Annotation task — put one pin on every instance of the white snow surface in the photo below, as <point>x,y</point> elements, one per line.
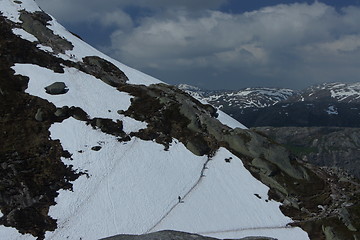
<point>44,48</point>
<point>85,91</point>
<point>10,9</point>
<point>224,200</point>
<point>24,34</point>
<point>229,121</point>
<point>331,110</point>
<point>130,185</point>
<point>133,187</point>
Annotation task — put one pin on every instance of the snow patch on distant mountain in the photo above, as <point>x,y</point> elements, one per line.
<point>245,98</point>
<point>250,97</point>
<point>336,92</point>
<point>332,110</point>
<point>343,92</point>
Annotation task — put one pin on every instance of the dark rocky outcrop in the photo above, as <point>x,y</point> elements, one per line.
<point>31,170</point>
<point>35,24</point>
<point>173,235</point>
<point>104,70</point>
<point>322,146</point>
<point>108,126</point>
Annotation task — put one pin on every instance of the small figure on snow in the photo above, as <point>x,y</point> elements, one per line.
<point>179,198</point>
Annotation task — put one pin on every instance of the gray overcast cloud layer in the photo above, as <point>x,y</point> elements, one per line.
<point>285,45</point>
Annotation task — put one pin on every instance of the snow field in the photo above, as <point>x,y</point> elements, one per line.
<point>224,200</point>
<point>130,185</point>
<point>24,34</point>
<point>10,9</point>
<point>85,91</point>
<point>229,121</point>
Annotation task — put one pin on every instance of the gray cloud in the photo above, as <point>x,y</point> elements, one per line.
<point>70,11</point>
<point>292,45</point>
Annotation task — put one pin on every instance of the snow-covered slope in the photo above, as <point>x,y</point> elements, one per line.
<point>133,186</point>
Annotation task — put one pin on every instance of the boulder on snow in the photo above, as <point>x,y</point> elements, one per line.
<point>56,88</point>
<point>96,148</point>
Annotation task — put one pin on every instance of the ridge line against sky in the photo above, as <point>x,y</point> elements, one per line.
<point>223,44</point>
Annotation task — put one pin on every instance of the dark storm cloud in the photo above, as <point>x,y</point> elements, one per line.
<point>285,45</point>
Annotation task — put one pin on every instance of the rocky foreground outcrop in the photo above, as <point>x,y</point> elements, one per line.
<point>173,235</point>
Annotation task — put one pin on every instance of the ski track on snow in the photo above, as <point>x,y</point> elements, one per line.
<point>103,178</point>
<point>184,197</point>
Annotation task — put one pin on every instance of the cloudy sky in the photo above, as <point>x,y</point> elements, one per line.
<point>223,44</point>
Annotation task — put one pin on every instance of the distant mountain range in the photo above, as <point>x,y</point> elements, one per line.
<point>245,98</point>
<point>328,104</point>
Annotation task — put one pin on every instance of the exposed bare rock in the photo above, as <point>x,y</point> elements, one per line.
<point>104,70</point>
<point>35,24</point>
<point>323,146</point>
<point>173,235</point>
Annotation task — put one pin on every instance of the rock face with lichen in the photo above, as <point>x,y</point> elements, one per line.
<point>32,171</point>
<point>323,146</point>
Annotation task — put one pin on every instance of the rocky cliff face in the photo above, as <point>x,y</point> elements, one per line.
<point>322,146</point>
<point>34,175</point>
